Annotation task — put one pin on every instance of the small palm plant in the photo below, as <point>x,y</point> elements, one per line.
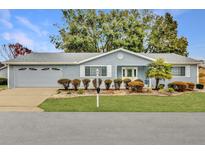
<point>159,70</point>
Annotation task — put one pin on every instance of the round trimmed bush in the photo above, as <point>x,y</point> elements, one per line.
<point>76,83</point>
<point>108,83</point>
<point>117,83</point>
<point>136,86</point>
<point>65,83</point>
<point>178,86</point>
<point>161,86</point>
<point>126,81</point>
<point>95,82</point>
<point>86,83</point>
<point>190,85</point>
<point>199,86</point>
<point>139,80</point>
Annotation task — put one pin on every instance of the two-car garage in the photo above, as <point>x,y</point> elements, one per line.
<point>37,76</point>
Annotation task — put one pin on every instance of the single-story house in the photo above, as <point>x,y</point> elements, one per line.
<point>3,71</point>
<point>44,69</point>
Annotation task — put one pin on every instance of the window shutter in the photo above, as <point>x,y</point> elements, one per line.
<point>109,70</point>
<point>82,71</point>
<point>187,71</point>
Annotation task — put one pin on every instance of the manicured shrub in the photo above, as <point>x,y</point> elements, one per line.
<point>190,85</point>
<point>161,86</point>
<point>76,83</point>
<point>107,84</point>
<point>80,91</point>
<point>65,83</point>
<point>126,81</point>
<point>199,86</point>
<point>86,83</point>
<point>3,81</point>
<point>178,86</point>
<point>136,86</point>
<point>95,82</point>
<point>139,80</point>
<point>117,83</point>
<point>170,90</point>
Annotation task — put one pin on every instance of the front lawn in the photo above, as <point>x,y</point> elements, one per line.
<point>190,102</point>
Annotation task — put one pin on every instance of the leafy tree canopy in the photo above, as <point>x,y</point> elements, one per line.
<point>136,30</point>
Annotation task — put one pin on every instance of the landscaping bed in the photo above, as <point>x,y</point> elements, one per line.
<point>61,93</point>
<point>187,102</point>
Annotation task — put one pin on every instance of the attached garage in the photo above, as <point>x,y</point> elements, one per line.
<point>37,76</point>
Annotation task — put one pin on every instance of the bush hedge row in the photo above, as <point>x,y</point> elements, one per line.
<point>117,83</point>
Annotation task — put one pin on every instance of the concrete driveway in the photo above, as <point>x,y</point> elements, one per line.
<point>24,99</point>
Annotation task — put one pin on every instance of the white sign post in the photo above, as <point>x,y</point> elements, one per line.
<point>97,87</point>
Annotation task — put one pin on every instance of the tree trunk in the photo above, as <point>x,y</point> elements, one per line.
<point>157,83</point>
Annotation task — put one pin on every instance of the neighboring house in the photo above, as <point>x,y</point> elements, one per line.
<point>3,71</point>
<point>202,71</point>
<point>44,69</point>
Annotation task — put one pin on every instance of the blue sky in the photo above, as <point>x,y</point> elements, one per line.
<point>33,27</point>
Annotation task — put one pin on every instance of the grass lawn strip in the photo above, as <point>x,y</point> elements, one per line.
<point>189,102</point>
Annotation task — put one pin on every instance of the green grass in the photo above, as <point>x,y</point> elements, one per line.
<point>191,102</point>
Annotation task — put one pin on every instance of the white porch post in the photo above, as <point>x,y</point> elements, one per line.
<point>150,83</point>
<point>8,77</point>
<point>97,85</point>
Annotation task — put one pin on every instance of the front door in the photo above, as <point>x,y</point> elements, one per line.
<point>129,72</point>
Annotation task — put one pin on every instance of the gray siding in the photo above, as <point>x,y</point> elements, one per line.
<point>112,59</point>
<point>192,78</point>
<point>3,73</point>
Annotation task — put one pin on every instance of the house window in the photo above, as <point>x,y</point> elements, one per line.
<point>178,71</point>
<point>91,70</point>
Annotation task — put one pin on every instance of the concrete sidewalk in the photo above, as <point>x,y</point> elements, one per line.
<point>24,99</point>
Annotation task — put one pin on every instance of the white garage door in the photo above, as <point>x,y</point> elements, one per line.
<point>37,76</point>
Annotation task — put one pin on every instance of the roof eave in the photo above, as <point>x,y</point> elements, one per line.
<point>40,63</point>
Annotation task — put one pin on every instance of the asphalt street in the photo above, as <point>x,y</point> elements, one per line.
<point>102,128</point>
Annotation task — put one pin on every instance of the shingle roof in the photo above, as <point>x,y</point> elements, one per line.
<point>171,58</point>
<point>74,58</point>
<point>54,57</point>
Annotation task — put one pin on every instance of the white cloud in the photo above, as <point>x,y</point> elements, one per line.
<point>5,17</point>
<point>31,26</point>
<point>18,37</point>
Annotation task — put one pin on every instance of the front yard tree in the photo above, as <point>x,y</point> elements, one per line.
<point>163,37</point>
<point>159,70</point>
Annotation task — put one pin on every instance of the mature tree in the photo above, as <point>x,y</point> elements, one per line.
<point>159,70</point>
<point>99,31</point>
<point>12,51</point>
<point>164,39</point>
<point>102,31</point>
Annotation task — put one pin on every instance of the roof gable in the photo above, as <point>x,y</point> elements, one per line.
<point>117,50</point>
